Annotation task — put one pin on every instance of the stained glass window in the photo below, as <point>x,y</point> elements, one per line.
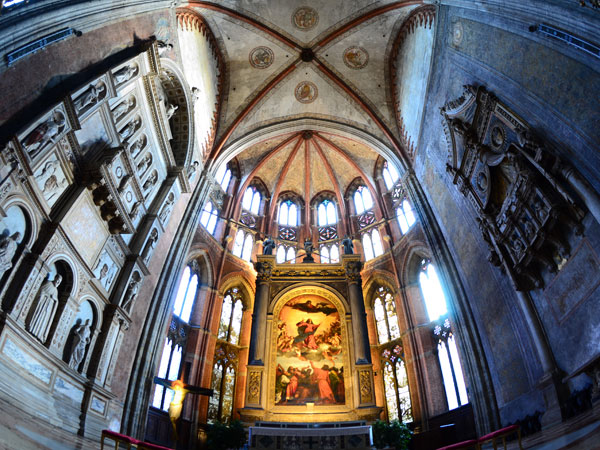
<point>372,244</point>
<point>390,175</point>
<point>251,200</point>
<point>223,176</point>
<point>220,405</point>
<point>209,217</point>
<point>395,382</point>
<point>435,303</point>
<point>326,214</point>
<point>405,215</point>
<point>170,363</point>
<point>330,254</point>
<point>288,213</point>
<point>385,316</point>
<point>242,246</point>
<point>285,254</point>
<point>362,200</point>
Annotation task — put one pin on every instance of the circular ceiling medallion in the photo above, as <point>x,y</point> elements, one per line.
<point>305,18</point>
<point>498,137</point>
<point>306,92</point>
<point>261,57</point>
<point>457,34</point>
<point>356,57</point>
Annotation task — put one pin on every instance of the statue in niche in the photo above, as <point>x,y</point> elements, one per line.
<point>308,248</point>
<point>90,97</point>
<point>137,146</point>
<point>170,110</point>
<point>125,74</point>
<point>195,94</point>
<point>150,244</point>
<point>130,128</point>
<point>168,206</point>
<point>45,308</point>
<point>163,48</point>
<point>268,246</point>
<point>151,181</point>
<point>135,210</point>
<point>44,134</point>
<point>123,108</point>
<point>144,164</point>
<point>81,339</point>
<point>191,173</point>
<point>131,293</point>
<point>348,245</point>
<point>8,248</point>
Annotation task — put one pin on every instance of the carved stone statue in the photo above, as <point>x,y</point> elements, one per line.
<point>151,181</point>
<point>348,245</point>
<point>137,146</point>
<point>8,248</point>
<point>81,339</point>
<point>90,97</point>
<point>268,246</point>
<point>195,94</point>
<point>170,110</point>
<point>144,164</point>
<point>168,206</point>
<point>123,108</point>
<point>150,244</point>
<point>130,128</point>
<point>131,293</point>
<point>308,248</point>
<point>163,48</point>
<point>45,308</point>
<point>192,170</point>
<point>125,74</point>
<point>45,133</point>
<point>135,209</point>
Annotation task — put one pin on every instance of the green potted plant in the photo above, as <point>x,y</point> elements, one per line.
<point>392,435</point>
<point>222,436</point>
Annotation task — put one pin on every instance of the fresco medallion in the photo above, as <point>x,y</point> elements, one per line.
<point>356,57</point>
<point>305,18</point>
<point>309,364</point>
<point>306,92</point>
<point>261,57</point>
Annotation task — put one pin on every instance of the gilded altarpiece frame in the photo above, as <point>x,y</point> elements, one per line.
<point>318,410</point>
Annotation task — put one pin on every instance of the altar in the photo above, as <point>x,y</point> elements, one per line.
<point>301,436</point>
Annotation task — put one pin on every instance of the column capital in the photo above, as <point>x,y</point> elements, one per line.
<point>352,266</point>
<point>264,267</point>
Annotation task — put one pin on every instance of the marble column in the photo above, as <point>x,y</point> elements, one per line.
<point>362,352</point>
<point>258,333</point>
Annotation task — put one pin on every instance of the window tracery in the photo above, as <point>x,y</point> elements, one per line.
<point>173,350</point>
<point>285,253</point>
<point>435,303</point>
<point>209,217</point>
<point>220,406</point>
<point>242,246</point>
<point>395,379</point>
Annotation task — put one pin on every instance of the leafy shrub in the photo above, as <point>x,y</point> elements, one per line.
<point>221,436</point>
<point>392,434</point>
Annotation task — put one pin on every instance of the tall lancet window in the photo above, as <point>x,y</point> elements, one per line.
<point>390,175</point>
<point>209,217</point>
<point>327,225</point>
<point>435,303</point>
<point>220,405</point>
<point>395,379</point>
<point>172,355</point>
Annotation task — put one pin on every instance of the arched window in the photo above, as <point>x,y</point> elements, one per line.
<point>285,254</point>
<point>406,217</point>
<point>362,200</point>
<point>372,244</point>
<point>209,217</point>
<point>172,355</point>
<point>435,303</point>
<point>390,175</point>
<point>330,253</point>
<point>242,246</point>
<point>288,214</point>
<point>385,316</point>
<point>395,379</point>
<point>220,405</point>
<point>326,214</point>
<point>251,200</point>
<point>223,176</point>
